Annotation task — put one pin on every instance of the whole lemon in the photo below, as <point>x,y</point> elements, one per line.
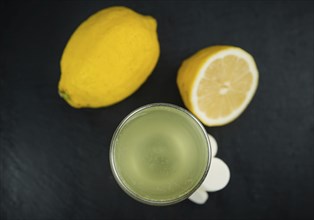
<point>108,57</point>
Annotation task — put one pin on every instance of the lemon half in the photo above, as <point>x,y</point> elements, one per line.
<point>217,83</point>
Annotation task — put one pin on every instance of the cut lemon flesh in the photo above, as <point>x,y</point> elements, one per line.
<point>217,83</point>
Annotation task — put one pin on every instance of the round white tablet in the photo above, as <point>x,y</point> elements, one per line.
<point>200,196</point>
<point>213,145</point>
<point>218,176</point>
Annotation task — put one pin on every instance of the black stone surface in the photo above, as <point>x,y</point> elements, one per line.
<point>54,159</point>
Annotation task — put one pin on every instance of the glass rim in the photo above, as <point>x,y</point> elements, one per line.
<point>132,193</point>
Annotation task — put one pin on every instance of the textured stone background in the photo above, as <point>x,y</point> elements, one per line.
<point>54,159</point>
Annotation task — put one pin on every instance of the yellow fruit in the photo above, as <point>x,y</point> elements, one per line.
<point>217,83</point>
<point>108,57</point>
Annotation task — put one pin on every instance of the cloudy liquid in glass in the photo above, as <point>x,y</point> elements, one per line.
<point>160,153</point>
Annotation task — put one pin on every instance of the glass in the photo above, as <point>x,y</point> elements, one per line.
<point>160,154</point>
